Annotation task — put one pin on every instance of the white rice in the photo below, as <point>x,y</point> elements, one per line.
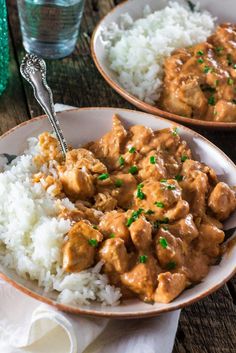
<point>31,236</point>
<point>136,49</point>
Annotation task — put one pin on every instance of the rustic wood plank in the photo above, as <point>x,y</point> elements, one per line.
<point>208,326</point>
<point>13,107</point>
<point>205,327</point>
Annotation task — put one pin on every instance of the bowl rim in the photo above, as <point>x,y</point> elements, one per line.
<point>136,101</point>
<point>114,315</point>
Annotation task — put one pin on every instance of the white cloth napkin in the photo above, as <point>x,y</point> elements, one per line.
<point>27,326</point>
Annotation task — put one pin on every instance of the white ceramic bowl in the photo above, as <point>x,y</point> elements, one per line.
<point>83,125</point>
<point>225,11</point>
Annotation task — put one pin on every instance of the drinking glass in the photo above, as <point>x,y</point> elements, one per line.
<point>50,27</point>
<point>4,51</point>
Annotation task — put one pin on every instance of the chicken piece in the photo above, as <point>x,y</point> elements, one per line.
<point>169,249</point>
<point>49,147</point>
<point>171,102</point>
<point>114,253</point>
<point>87,230</point>
<point>196,266</point>
<point>84,159</point>
<point>213,221</point>
<point>180,210</point>
<point>152,166</point>
<point>183,150</point>
<point>225,37</point>
<point>209,240</point>
<point>142,279</point>
<point>158,197</point>
<point>105,202</point>
<point>125,185</point>
<point>190,166</point>
<point>195,188</point>
<point>174,63</point>
<point>109,147</point>
<point>141,234</point>
<point>225,111</point>
<point>78,254</point>
<point>77,183</point>
<point>169,99</point>
<point>76,175</point>
<point>79,250</point>
<point>165,140</point>
<point>191,94</point>
<point>185,229</point>
<point>114,223</point>
<point>73,215</point>
<point>139,137</point>
<point>170,285</point>
<point>222,201</point>
<point>91,214</point>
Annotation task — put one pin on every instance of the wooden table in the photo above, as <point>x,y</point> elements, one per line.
<point>205,327</point>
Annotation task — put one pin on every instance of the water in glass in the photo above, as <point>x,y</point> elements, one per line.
<point>4,53</point>
<point>50,28</point>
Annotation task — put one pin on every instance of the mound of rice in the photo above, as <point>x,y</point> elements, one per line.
<point>136,49</point>
<point>31,236</point>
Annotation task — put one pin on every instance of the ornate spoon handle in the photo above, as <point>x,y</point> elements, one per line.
<point>33,69</point>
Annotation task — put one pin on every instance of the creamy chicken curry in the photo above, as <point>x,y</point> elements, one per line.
<point>143,206</point>
<point>200,81</point>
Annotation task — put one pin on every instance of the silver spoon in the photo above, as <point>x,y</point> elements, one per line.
<point>33,69</point>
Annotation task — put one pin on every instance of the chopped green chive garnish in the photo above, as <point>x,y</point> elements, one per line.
<point>234,66</point>
<point>159,204</point>
<point>134,216</point>
<point>211,100</point>
<point>183,158</point>
<point>163,242</point>
<point>140,195</point>
<point>230,81</point>
<point>163,180</point>
<point>200,52</point>
<point>118,183</point>
<point>95,227</point>
<point>152,159</point>
<point>143,259</point>
<point>207,69</point>
<point>175,131</point>
<point>112,235</point>
<point>165,228</point>
<point>229,59</point>
<point>149,212</point>
<point>170,187</point>
<point>216,82</point>
<point>103,176</point>
<point>121,161</point>
<point>171,265</point>
<point>93,242</point>
<point>219,49</point>
<point>133,170</point>
<point>200,61</point>
<point>234,101</point>
<point>132,150</point>
<point>130,221</point>
<point>163,221</point>
<point>179,177</point>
